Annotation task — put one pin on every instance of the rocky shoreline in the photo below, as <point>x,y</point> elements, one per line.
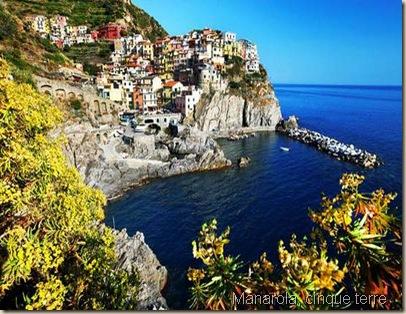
<point>134,254</point>
<point>106,162</point>
<point>328,145</point>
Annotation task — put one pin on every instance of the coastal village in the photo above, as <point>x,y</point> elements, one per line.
<point>156,85</point>
<point>159,81</point>
<point>99,100</point>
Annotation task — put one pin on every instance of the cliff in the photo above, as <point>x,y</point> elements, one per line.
<point>224,112</point>
<point>133,252</point>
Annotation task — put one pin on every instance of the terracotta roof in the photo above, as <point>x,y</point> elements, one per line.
<point>170,83</point>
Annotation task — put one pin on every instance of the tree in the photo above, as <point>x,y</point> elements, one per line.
<point>54,253</point>
<point>362,230</point>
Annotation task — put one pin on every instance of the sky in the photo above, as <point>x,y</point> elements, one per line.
<point>355,42</point>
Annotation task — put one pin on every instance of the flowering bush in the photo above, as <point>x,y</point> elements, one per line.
<point>358,224</point>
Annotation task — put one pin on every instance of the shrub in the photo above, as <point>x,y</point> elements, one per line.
<point>75,104</point>
<point>56,57</point>
<point>20,69</point>
<point>8,26</point>
<point>362,231</point>
<point>54,255</point>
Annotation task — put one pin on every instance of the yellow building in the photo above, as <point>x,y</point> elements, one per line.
<point>148,50</point>
<point>233,49</point>
<point>38,23</point>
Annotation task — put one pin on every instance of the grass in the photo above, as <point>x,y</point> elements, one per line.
<point>21,70</point>
<point>56,57</point>
<point>8,27</point>
<point>90,53</point>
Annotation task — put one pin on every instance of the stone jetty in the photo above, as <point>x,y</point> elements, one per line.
<point>331,146</point>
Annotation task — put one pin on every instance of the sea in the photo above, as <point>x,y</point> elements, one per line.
<point>269,200</point>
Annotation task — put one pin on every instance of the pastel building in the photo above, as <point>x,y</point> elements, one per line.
<point>39,24</point>
<point>250,55</point>
<point>186,102</point>
<point>210,78</point>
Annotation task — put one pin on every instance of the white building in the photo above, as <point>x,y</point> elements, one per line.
<point>149,100</point>
<point>250,55</point>
<point>127,45</point>
<point>229,37</point>
<point>187,101</point>
<point>153,82</point>
<point>210,78</point>
<point>112,91</point>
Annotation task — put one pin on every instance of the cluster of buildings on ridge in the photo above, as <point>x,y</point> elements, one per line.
<point>145,77</point>
<point>174,71</point>
<point>62,34</point>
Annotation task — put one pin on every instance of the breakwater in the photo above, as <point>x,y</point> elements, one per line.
<point>331,146</point>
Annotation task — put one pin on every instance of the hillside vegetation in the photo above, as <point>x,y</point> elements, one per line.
<point>27,53</point>
<point>92,13</point>
<point>356,227</point>
<point>52,253</point>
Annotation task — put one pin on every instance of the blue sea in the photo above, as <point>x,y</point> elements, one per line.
<point>269,200</point>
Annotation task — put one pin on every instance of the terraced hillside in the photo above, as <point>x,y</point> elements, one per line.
<point>27,53</point>
<point>92,13</point>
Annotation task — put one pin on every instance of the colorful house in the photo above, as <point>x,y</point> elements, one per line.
<point>171,89</point>
<point>110,31</point>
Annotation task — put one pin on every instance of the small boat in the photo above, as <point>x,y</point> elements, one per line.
<point>285,149</point>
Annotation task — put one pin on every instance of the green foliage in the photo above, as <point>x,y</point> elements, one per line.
<point>361,228</point>
<point>91,69</point>
<point>307,272</point>
<point>90,53</point>
<point>93,13</point>
<point>21,70</point>
<point>54,254</point>
<point>48,45</point>
<point>242,83</point>
<point>359,225</point>
<point>56,57</point>
<point>221,274</point>
<point>145,24</point>
<point>75,104</point>
<point>8,26</point>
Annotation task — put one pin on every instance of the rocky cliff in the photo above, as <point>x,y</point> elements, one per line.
<point>254,106</point>
<point>106,162</point>
<point>224,112</point>
<point>134,253</point>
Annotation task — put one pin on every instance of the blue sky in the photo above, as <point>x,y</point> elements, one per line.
<point>303,41</point>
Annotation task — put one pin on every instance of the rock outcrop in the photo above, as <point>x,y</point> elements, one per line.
<point>134,253</point>
<point>107,162</point>
<point>224,113</point>
<point>243,162</point>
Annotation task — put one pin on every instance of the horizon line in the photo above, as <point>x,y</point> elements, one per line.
<point>340,84</point>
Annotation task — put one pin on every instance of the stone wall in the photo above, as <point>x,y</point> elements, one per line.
<point>95,106</point>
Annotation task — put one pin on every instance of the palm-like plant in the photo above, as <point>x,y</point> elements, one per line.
<point>361,227</point>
